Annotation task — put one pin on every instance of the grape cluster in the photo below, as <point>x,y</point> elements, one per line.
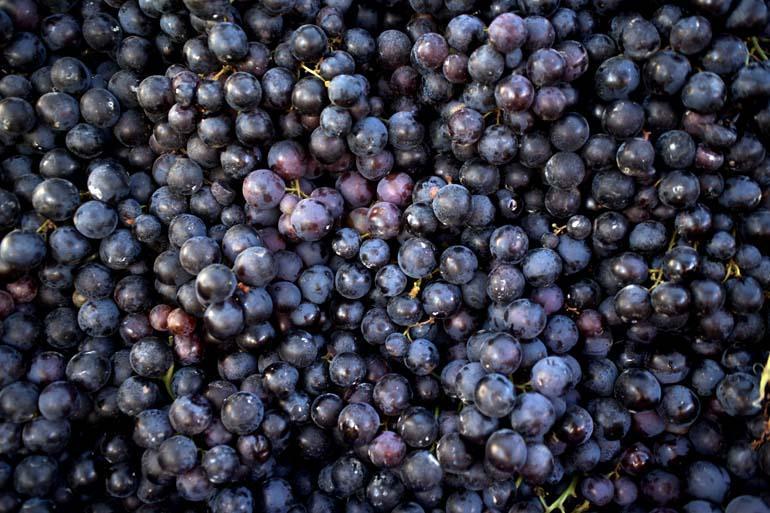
<point>384,256</point>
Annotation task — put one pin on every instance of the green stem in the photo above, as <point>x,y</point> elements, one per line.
<point>167,380</point>
<point>315,74</point>
<point>558,504</point>
<point>764,379</point>
<point>755,46</point>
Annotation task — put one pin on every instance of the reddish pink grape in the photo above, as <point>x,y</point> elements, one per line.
<point>395,188</point>
<point>384,220</point>
<point>263,189</point>
<point>311,220</point>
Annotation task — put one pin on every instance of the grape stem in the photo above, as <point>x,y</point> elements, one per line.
<point>755,47</point>
<point>656,275</point>
<point>167,380</point>
<point>46,226</point>
<point>419,282</point>
<point>615,472</point>
<point>407,334</point>
<point>558,230</point>
<point>498,115</point>
<point>334,42</point>
<point>522,387</point>
<point>582,507</point>
<point>415,288</point>
<point>731,270</point>
<point>559,503</point>
<point>315,74</point>
<point>672,242</point>
<point>222,72</point>
<point>296,188</point>
<point>764,379</point>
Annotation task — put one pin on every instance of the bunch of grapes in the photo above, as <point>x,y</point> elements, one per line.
<point>384,256</point>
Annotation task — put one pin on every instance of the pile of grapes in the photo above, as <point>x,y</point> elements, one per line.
<point>384,256</point>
